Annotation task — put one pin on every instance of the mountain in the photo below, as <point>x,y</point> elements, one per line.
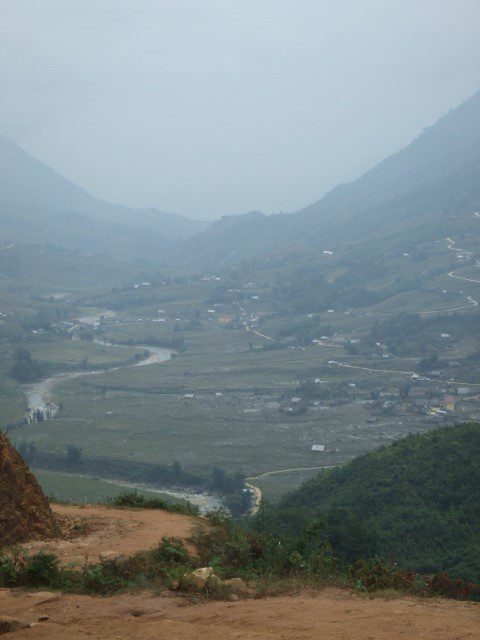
<point>439,172</point>
<point>419,500</point>
<point>27,183</point>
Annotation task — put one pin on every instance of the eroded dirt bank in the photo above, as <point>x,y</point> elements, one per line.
<point>122,531</point>
<point>330,615</point>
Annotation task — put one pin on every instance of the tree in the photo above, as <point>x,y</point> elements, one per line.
<point>25,368</point>
<point>74,454</point>
<point>404,391</point>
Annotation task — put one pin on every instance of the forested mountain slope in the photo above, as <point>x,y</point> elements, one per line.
<point>418,500</point>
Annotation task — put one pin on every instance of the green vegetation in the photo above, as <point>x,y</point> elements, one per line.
<point>416,502</point>
<point>136,500</point>
<point>79,489</point>
<point>267,562</point>
<point>25,369</point>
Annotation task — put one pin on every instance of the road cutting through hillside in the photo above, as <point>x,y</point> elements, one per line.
<point>452,245</point>
<point>257,492</point>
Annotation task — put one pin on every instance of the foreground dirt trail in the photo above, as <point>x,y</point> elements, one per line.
<point>108,530</point>
<point>332,615</point>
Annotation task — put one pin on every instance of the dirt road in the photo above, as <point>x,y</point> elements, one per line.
<point>107,530</point>
<point>332,614</point>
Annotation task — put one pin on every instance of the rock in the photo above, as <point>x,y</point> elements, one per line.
<point>239,587</point>
<point>233,597</point>
<point>43,618</point>
<point>197,579</point>
<point>214,582</point>
<point>8,624</point>
<point>236,585</point>
<point>175,585</point>
<point>136,613</point>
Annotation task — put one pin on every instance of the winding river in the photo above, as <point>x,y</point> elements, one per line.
<point>40,397</point>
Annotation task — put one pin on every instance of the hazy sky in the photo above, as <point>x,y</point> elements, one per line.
<point>207,107</point>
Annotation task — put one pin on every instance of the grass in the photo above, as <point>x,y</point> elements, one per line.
<point>79,490</point>
<point>136,500</point>
<point>69,354</point>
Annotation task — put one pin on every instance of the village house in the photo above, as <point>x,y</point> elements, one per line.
<point>449,402</point>
<point>295,406</point>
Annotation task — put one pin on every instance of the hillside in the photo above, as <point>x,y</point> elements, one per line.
<point>30,185</point>
<point>25,513</point>
<point>418,499</point>
<point>438,173</point>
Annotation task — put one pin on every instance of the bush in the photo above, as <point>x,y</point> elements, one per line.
<point>8,572</point>
<point>442,585</point>
<point>102,579</point>
<point>376,575</point>
<point>38,570</point>
<point>135,500</point>
<point>171,551</point>
<point>42,569</point>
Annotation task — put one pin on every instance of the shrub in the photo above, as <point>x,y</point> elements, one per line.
<point>375,575</point>
<point>8,571</point>
<point>171,551</point>
<point>41,569</point>
<point>443,585</point>
<point>102,579</point>
<point>135,500</point>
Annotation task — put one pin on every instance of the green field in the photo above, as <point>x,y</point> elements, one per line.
<point>64,487</point>
<point>141,413</point>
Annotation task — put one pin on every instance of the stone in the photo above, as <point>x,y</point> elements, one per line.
<point>233,597</point>
<point>8,624</point>
<point>214,582</point>
<point>43,618</point>
<point>197,579</point>
<point>236,585</point>
<point>239,587</point>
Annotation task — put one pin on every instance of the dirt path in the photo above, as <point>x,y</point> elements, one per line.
<point>257,492</point>
<point>257,496</point>
<point>397,371</point>
<point>262,335</point>
<point>331,614</point>
<point>110,531</point>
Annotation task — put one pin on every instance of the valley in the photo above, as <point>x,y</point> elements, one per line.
<point>251,389</point>
<point>240,320</point>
